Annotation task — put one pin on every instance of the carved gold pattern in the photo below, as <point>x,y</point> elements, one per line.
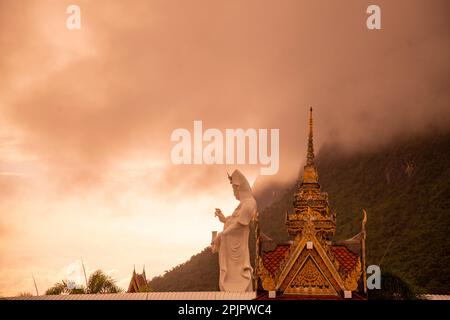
<point>351,281</point>
<point>268,283</point>
<point>309,280</point>
<point>301,260</point>
<point>310,174</point>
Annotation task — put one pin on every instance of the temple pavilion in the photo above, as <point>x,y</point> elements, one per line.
<point>311,265</point>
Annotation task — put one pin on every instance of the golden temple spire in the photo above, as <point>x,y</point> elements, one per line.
<point>310,155</point>
<point>310,174</point>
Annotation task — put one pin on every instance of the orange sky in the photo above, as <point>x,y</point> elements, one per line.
<point>86,115</point>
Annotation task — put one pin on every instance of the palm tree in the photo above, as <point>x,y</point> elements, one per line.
<point>99,282</point>
<point>61,288</point>
<point>24,294</point>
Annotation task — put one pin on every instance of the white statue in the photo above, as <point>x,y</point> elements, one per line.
<point>232,243</point>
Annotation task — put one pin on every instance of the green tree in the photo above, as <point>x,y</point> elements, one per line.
<point>61,288</point>
<point>24,294</point>
<point>99,282</point>
<point>392,288</point>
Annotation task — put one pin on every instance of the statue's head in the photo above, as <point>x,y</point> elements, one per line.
<point>241,187</point>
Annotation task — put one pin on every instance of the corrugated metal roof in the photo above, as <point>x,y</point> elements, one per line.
<point>197,295</point>
<point>435,297</point>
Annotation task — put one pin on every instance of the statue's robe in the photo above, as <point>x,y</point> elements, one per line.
<point>232,243</point>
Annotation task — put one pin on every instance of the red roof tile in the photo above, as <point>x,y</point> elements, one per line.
<point>346,258</point>
<point>272,259</point>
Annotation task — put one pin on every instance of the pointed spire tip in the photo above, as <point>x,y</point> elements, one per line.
<point>310,153</point>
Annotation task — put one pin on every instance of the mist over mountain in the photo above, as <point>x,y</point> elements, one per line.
<point>405,188</point>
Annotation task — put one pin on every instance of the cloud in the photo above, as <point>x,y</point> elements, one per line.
<point>125,81</point>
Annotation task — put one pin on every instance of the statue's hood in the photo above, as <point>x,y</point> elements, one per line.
<point>245,191</point>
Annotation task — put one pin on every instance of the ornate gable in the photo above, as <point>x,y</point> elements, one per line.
<point>310,280</point>
<point>312,261</point>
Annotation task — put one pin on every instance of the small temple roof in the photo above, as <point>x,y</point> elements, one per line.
<point>138,282</point>
<point>141,281</point>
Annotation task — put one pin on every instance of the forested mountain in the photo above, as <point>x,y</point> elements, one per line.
<point>405,188</point>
